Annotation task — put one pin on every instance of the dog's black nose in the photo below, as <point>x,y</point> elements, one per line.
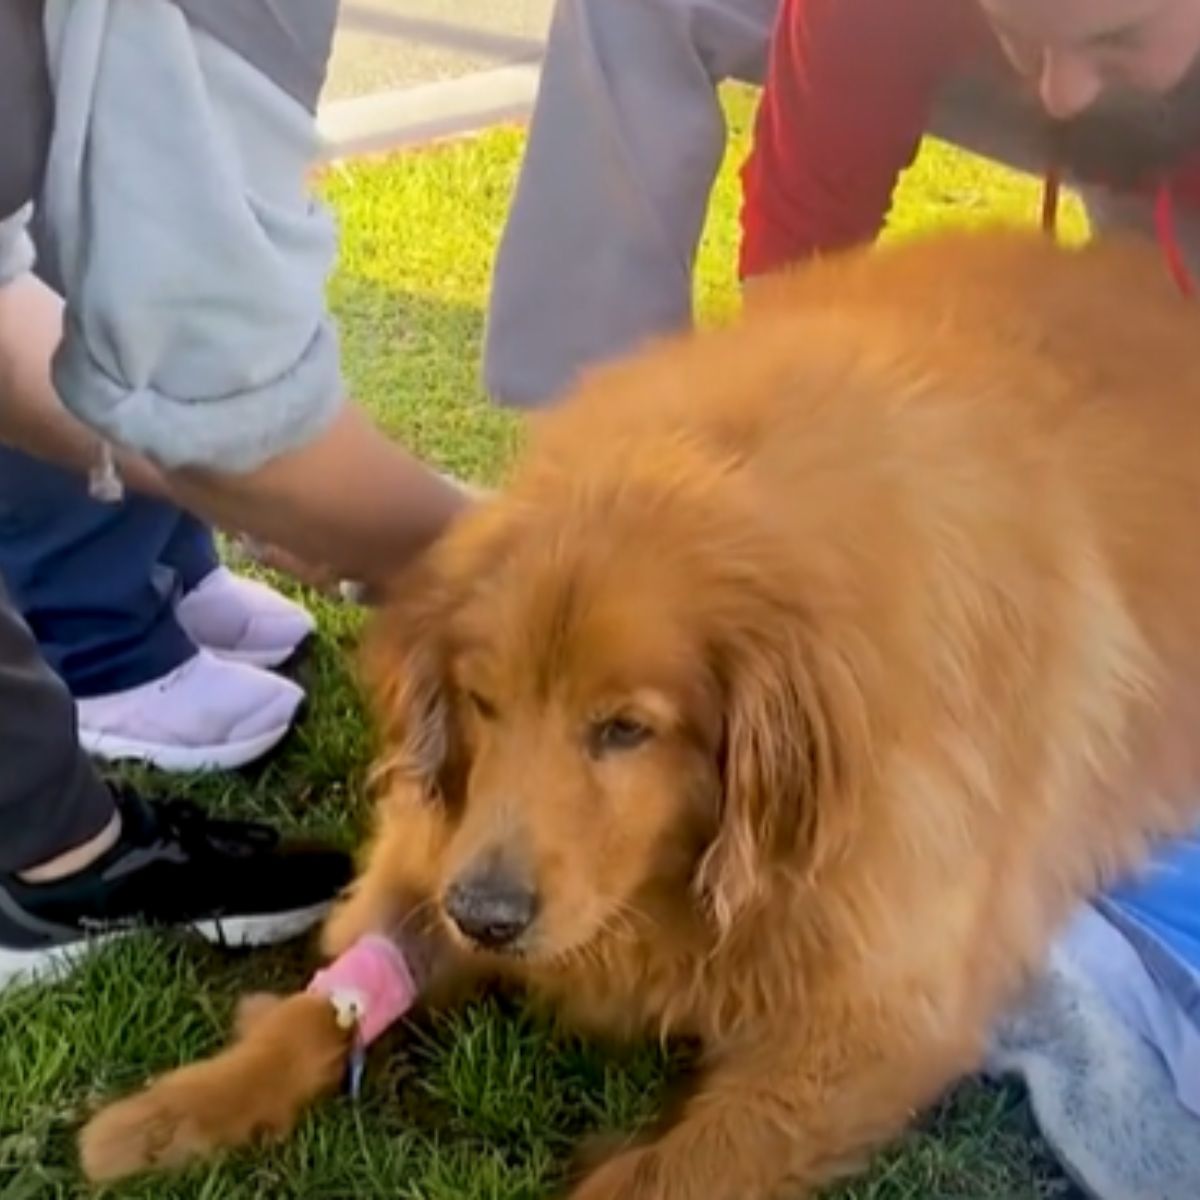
<point>491,909</point>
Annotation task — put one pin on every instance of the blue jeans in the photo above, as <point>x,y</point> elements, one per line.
<point>97,583</point>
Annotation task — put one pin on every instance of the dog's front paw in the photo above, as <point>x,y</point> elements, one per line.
<point>186,1115</point>
<point>290,1052</point>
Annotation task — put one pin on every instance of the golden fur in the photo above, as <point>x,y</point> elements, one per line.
<point>811,672</point>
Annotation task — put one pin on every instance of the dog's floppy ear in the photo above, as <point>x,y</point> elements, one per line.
<point>404,667</point>
<point>405,656</point>
<point>795,746</point>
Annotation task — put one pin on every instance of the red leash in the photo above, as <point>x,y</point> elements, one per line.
<point>1050,193</point>
<point>1164,228</point>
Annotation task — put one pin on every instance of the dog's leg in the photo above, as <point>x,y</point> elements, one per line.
<point>778,1121</point>
<point>395,886</point>
<point>394,896</point>
<point>287,1052</point>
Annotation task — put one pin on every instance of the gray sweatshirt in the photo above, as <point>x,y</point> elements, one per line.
<point>174,212</point>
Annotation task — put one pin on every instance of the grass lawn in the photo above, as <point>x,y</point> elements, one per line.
<point>484,1104</point>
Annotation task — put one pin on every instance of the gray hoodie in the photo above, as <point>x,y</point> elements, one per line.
<point>174,213</point>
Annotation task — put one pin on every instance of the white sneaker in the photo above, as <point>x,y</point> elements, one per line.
<point>243,620</point>
<point>207,715</point>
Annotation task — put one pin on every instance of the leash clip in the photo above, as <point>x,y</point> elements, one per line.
<point>349,1008</point>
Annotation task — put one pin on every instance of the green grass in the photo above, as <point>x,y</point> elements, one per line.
<point>485,1104</point>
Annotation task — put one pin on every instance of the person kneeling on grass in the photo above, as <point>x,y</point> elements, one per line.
<point>163,146</point>
<point>628,134</point>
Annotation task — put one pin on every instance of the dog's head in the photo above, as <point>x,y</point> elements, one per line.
<point>621,705</point>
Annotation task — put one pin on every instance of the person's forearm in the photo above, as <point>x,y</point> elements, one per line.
<point>352,500</point>
<point>32,418</point>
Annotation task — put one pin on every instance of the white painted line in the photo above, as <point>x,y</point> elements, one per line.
<point>427,111</point>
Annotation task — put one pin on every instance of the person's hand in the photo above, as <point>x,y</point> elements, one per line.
<point>351,500</point>
<point>320,577</point>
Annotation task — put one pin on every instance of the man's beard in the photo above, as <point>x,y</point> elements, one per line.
<point>1130,139</point>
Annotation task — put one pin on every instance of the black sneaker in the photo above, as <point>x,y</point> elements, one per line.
<point>235,883</point>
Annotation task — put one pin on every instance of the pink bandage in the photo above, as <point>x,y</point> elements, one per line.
<point>370,986</point>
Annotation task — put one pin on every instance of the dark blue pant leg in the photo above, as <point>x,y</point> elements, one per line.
<point>89,578</point>
<point>191,552</point>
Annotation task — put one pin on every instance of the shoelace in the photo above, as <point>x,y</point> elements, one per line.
<point>1164,227</point>
<point>198,831</point>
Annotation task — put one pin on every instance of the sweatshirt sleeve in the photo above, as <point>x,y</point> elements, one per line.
<point>175,214</point>
<point>849,89</point>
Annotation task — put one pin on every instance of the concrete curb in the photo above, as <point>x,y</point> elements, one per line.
<point>427,112</point>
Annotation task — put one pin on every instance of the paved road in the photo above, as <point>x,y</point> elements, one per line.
<point>383,45</point>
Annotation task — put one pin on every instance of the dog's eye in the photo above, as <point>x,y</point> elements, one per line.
<point>615,734</point>
<point>482,705</point>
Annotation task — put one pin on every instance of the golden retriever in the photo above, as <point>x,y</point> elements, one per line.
<point>806,678</point>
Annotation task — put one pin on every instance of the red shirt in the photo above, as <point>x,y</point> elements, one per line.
<point>849,92</point>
